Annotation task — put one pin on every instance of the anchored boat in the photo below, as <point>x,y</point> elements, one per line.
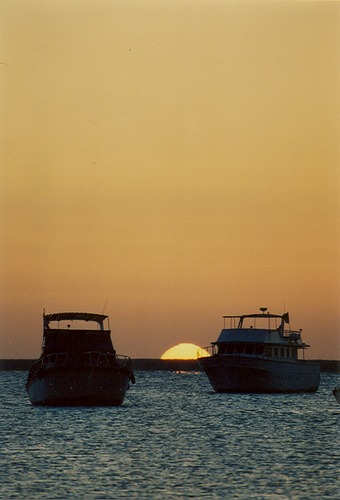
<point>256,353</point>
<point>78,365</point>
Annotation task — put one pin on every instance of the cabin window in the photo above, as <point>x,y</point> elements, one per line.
<point>243,348</point>
<point>276,352</point>
<point>240,348</point>
<point>282,352</point>
<point>259,349</point>
<point>268,351</point>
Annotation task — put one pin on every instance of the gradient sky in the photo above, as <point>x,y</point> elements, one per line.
<point>169,162</point>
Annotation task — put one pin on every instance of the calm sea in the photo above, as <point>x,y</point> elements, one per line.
<point>172,438</point>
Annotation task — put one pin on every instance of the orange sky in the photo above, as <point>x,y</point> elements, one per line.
<point>177,159</point>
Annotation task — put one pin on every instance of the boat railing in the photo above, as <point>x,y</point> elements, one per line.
<point>213,350</point>
<point>85,359</point>
<point>292,334</point>
<point>206,352</point>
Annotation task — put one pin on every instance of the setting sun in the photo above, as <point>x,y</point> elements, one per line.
<point>182,351</point>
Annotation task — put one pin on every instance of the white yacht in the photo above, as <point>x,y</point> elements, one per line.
<point>256,353</point>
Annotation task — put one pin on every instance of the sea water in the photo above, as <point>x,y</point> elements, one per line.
<point>172,438</point>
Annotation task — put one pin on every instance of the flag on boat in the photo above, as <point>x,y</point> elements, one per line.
<point>285,317</point>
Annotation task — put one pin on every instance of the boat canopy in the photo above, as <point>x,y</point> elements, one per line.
<point>70,316</point>
<point>284,316</point>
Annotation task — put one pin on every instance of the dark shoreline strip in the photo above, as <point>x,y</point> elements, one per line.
<point>156,365</point>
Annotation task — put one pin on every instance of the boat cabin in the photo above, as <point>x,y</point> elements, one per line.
<point>69,337</point>
<point>259,335</point>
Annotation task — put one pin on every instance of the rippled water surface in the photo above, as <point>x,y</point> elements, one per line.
<point>172,438</point>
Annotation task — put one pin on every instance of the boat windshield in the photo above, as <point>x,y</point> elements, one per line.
<point>74,325</point>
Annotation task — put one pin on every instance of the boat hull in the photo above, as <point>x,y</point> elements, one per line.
<point>89,386</point>
<point>260,375</point>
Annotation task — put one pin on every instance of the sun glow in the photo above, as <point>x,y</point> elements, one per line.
<point>183,351</point>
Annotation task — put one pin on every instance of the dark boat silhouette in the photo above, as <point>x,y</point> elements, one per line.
<point>78,366</point>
